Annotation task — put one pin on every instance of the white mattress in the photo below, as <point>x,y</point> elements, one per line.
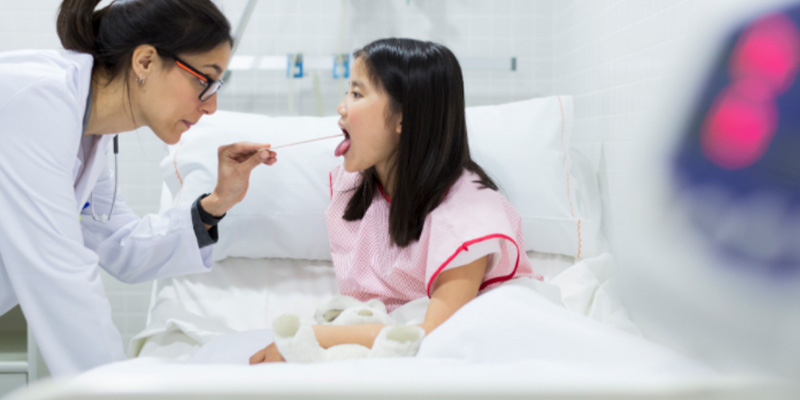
<point>148,378</point>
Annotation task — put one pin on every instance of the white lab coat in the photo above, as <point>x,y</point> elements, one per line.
<point>48,256</point>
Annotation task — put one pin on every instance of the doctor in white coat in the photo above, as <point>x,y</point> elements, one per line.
<point>154,63</point>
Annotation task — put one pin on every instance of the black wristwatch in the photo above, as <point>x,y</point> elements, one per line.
<point>207,218</point>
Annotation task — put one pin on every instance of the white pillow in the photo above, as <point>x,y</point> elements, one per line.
<point>524,146</point>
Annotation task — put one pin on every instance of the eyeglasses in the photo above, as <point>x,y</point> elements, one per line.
<point>211,85</point>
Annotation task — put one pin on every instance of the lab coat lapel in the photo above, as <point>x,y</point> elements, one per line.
<point>94,162</point>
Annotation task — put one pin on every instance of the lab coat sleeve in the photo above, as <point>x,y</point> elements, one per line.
<point>53,275</point>
<point>134,249</point>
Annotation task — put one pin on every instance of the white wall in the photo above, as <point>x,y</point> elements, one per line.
<point>486,29</point>
<point>633,67</point>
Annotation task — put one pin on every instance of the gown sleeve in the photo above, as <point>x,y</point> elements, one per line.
<point>471,223</point>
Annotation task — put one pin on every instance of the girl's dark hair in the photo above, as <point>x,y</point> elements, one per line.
<point>423,81</point>
<point>111,34</point>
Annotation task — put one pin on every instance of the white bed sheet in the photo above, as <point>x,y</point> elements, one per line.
<point>237,295</point>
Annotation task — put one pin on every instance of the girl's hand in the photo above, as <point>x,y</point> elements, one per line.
<point>268,354</point>
<point>454,288</point>
<point>236,161</point>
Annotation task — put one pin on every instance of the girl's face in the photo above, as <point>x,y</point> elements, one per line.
<point>170,101</point>
<point>372,136</point>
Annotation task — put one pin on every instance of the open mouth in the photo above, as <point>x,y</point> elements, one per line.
<point>344,146</point>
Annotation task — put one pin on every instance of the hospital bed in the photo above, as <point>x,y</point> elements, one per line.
<point>567,336</point>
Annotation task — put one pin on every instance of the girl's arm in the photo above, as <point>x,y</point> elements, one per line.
<point>454,288</point>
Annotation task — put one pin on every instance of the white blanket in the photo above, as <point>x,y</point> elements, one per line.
<point>518,322</point>
<point>244,295</point>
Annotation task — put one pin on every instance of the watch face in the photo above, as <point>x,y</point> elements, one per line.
<point>737,169</point>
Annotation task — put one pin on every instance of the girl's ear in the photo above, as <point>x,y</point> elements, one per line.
<point>399,127</point>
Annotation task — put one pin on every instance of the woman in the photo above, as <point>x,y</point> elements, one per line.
<point>154,63</point>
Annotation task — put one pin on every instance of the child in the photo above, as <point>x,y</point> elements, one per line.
<point>411,215</point>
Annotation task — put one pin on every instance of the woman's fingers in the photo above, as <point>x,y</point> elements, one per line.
<point>269,157</point>
<point>250,154</point>
<point>246,148</point>
<point>265,156</point>
<point>236,162</point>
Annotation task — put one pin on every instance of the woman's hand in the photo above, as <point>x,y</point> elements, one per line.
<point>268,354</point>
<point>236,161</point>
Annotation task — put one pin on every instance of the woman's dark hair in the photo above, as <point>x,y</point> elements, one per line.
<point>423,81</point>
<point>111,34</point>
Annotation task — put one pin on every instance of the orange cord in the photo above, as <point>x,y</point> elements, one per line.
<point>178,174</point>
<point>564,161</point>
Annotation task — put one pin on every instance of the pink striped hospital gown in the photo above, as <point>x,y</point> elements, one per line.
<point>470,223</point>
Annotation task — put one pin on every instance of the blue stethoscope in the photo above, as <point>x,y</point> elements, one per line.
<point>105,217</point>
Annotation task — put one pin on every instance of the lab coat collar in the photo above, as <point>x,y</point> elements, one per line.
<point>94,163</point>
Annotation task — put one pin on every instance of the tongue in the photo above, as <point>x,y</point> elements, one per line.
<point>342,147</point>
